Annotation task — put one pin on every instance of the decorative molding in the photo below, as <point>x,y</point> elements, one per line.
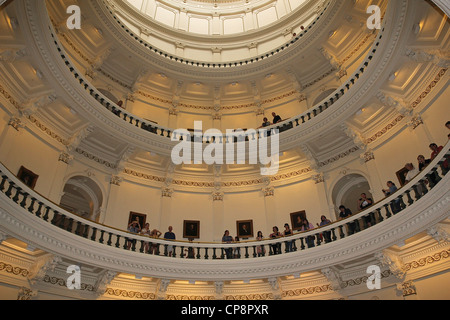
<point>268,191</point>
<point>166,192</point>
<point>130,294</point>
<point>26,294</point>
<point>65,157</point>
<point>61,282</point>
<point>367,156</point>
<point>407,288</point>
<point>14,270</point>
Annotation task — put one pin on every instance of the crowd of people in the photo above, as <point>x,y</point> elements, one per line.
<point>276,248</point>
<point>151,248</point>
<point>363,202</point>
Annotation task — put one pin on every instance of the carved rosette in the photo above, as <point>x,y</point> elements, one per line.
<point>65,157</point>
<point>318,178</point>
<point>367,156</point>
<point>167,192</point>
<point>116,180</point>
<point>268,192</point>
<point>217,196</point>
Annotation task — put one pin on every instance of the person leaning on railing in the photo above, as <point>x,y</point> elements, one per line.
<point>345,213</point>
<point>395,206</point>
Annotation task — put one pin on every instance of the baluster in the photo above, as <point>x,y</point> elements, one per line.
<point>2,184</point>
<point>430,179</point>
<point>182,252</point>
<point>55,218</point>
<point>198,253</point>
<point>109,242</point>
<point>270,250</point>
<point>16,196</point>
<point>341,232</point>
<point>47,210</point>
<point>380,217</point>
<point>69,225</point>
<point>424,187</point>
<point>102,232</point>
<point>410,200</point>
<point>334,238</point>
<point>222,255</point>
<point>206,254</point>
<point>133,245</point>
<point>373,219</point>
<point>141,249</point>
<point>214,253</point>
<point>62,221</point>
<point>31,207</point>
<point>166,253</point>
<point>254,252</point>
<point>388,213</point>
<point>94,233</point>
<point>23,203</point>
<point>38,212</point>
<point>174,253</point>
<point>157,252</point>
<point>86,231</point>
<point>358,226</point>
<point>401,202</point>
<point>246,253</point>
<point>302,246</point>
<point>416,192</point>
<point>436,176</point>
<point>318,241</point>
<point>118,241</point>
<point>78,230</point>
<point>9,191</point>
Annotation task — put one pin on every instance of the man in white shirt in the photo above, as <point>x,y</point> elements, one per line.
<point>412,172</point>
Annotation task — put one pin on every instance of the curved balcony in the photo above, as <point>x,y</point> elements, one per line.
<point>152,50</point>
<point>421,203</point>
<point>343,98</point>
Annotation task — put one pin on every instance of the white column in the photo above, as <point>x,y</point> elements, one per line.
<point>59,172</point>
<point>376,185</point>
<point>166,208</point>
<point>218,215</point>
<point>270,207</point>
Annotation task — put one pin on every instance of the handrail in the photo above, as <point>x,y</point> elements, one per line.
<point>41,208</point>
<point>168,132</point>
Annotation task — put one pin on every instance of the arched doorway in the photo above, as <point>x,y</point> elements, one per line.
<point>82,196</point>
<point>347,191</point>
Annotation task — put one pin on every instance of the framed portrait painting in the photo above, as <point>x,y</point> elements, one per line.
<point>401,176</point>
<point>27,176</point>
<point>244,228</point>
<point>297,218</point>
<point>139,217</point>
<point>191,229</point>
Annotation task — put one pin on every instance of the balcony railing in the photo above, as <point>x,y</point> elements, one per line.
<point>162,131</point>
<point>41,208</point>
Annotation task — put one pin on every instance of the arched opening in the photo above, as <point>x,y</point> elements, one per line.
<point>323,95</point>
<point>347,191</point>
<point>82,196</point>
